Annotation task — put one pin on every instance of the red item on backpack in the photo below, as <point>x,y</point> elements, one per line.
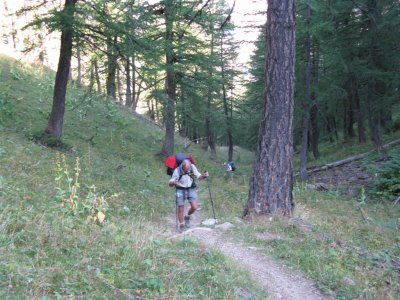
<point>173,161</point>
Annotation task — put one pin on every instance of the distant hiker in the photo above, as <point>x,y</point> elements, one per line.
<point>230,166</point>
<point>183,179</point>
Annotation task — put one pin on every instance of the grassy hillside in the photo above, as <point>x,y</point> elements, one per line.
<point>51,241</point>
<point>53,245</point>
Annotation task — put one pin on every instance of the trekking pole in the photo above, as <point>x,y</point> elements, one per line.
<point>212,203</point>
<point>176,212</point>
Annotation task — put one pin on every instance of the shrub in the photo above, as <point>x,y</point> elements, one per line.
<point>388,177</point>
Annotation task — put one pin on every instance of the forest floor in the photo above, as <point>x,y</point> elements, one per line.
<point>348,179</point>
<point>278,281</point>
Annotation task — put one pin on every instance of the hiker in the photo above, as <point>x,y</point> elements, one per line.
<point>230,166</point>
<point>183,180</point>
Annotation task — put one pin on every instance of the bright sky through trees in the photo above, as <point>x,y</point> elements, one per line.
<point>248,16</point>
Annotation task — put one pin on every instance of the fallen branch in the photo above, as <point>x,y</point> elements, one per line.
<point>347,160</point>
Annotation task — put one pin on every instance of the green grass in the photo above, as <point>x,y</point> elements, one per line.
<point>53,245</point>
<point>330,241</point>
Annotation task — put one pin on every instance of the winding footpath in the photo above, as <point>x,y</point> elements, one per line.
<point>278,281</point>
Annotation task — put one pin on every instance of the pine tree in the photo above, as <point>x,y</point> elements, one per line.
<point>271,182</point>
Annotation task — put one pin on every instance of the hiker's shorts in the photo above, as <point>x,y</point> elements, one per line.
<point>182,195</point>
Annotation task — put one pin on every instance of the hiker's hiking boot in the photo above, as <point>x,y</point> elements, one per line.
<point>181,227</point>
<point>187,221</point>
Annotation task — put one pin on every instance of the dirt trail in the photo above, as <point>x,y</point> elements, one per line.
<point>278,281</point>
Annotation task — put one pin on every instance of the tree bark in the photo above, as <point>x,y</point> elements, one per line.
<point>209,136</point>
<point>119,87</point>
<point>111,68</point>
<point>348,118</point>
<point>135,94</point>
<point>314,126</point>
<point>228,119</point>
<point>56,119</point>
<point>362,139</point>
<point>170,82</point>
<point>91,78</point>
<point>97,76</point>
<point>271,183</point>
<point>314,130</point>
<point>128,90</point>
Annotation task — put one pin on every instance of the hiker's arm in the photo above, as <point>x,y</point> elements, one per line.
<point>173,182</point>
<point>197,173</point>
<point>204,176</point>
<point>174,179</point>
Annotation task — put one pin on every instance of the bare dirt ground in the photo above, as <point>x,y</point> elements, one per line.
<point>278,281</point>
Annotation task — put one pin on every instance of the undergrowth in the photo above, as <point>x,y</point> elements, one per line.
<point>388,177</point>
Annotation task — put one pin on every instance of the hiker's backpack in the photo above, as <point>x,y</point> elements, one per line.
<point>231,166</point>
<point>173,161</point>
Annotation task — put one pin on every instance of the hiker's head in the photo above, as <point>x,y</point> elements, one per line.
<point>186,165</point>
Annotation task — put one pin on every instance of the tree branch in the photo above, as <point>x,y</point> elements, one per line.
<point>228,18</point>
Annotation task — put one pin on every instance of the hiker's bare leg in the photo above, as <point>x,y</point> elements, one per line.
<point>193,207</point>
<point>181,209</point>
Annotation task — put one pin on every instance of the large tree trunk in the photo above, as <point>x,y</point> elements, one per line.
<point>348,119</point>
<point>373,119</point>
<point>375,85</point>
<point>111,85</point>
<point>135,94</point>
<point>314,130</point>
<point>359,114</point>
<point>56,120</point>
<point>119,87</point>
<point>183,122</point>
<point>314,126</point>
<point>271,183</point>
<point>168,145</point>
<point>97,75</point>
<point>228,119</point>
<point>304,145</point>
<point>128,90</point>
<point>209,136</point>
<point>91,78</point>
<point>331,128</point>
